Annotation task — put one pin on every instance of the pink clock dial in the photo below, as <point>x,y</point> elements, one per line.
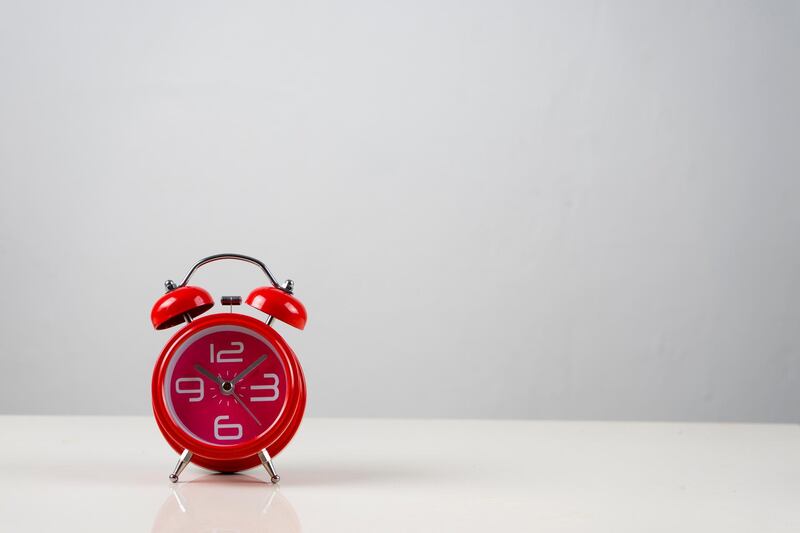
<point>225,385</point>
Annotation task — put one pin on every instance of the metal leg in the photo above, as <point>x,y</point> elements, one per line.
<point>266,460</point>
<point>186,456</point>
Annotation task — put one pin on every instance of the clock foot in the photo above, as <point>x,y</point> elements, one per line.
<point>266,460</point>
<point>186,456</point>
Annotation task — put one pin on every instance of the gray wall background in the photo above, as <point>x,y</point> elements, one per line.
<point>491,209</point>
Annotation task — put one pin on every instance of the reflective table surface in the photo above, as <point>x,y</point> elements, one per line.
<point>110,474</point>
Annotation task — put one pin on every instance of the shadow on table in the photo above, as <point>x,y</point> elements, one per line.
<point>232,503</point>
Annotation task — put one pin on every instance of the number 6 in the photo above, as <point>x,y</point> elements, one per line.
<point>218,426</point>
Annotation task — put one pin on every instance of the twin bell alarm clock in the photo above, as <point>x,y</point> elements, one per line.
<point>228,391</point>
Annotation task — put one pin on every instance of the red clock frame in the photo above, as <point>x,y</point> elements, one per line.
<point>232,457</point>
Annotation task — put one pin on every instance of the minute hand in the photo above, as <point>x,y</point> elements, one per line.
<point>240,376</point>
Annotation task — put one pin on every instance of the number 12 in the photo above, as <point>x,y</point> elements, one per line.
<point>218,357</point>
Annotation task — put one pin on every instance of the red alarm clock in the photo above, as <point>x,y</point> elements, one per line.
<point>228,391</point>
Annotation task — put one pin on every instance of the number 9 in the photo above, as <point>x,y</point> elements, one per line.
<point>199,390</point>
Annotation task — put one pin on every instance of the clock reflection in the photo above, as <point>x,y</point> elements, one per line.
<point>226,503</point>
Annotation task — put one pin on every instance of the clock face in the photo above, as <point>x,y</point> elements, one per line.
<point>225,385</point>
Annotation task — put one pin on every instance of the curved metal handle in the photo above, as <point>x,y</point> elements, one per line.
<point>238,257</point>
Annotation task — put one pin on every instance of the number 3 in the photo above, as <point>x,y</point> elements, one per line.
<point>273,387</point>
<point>218,426</point>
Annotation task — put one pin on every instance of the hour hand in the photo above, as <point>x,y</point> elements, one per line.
<point>209,375</point>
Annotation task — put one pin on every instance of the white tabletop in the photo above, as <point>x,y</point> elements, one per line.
<point>110,474</point>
